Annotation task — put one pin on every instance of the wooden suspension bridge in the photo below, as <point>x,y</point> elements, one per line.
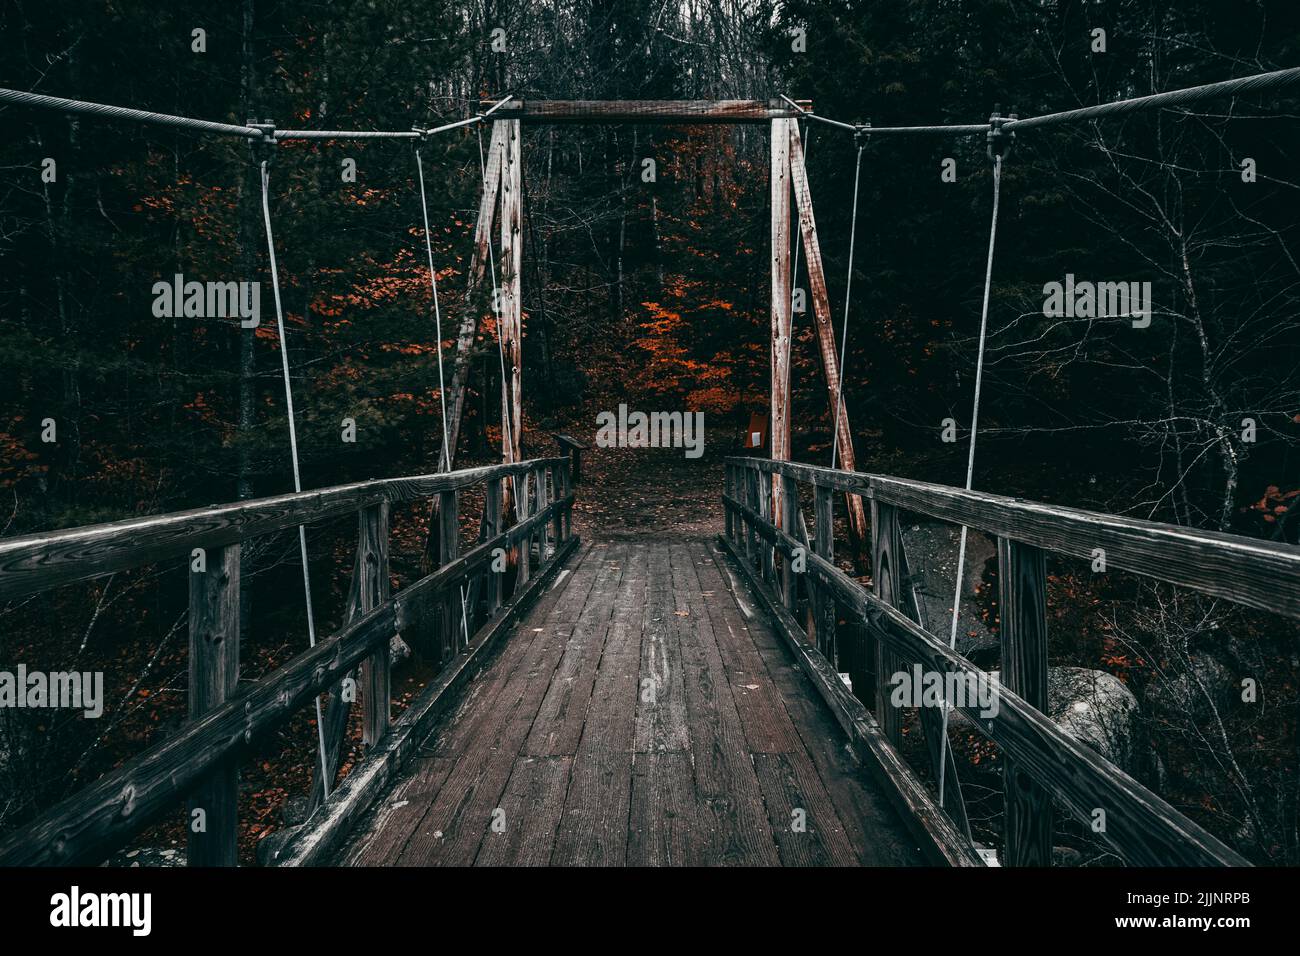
<point>649,701</point>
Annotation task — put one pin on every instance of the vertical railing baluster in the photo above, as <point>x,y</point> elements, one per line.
<point>824,545</point>
<point>213,823</point>
<point>543,529</point>
<point>371,588</point>
<point>524,544</point>
<point>765,510</point>
<point>790,525</point>
<point>751,501</point>
<point>887,585</point>
<point>557,520</point>
<point>1022,586</point>
<point>729,492</point>
<point>491,528</point>
<point>448,549</point>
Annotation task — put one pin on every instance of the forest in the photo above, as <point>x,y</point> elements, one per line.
<point>645,283</point>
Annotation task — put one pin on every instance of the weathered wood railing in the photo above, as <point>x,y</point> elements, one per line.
<point>200,762</point>
<point>1042,762</point>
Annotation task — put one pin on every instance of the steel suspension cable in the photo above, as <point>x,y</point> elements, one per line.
<point>1192,94</point>
<point>107,111</point>
<point>86,108</point>
<point>442,391</point>
<point>848,290</point>
<point>970,455</point>
<point>293,454</point>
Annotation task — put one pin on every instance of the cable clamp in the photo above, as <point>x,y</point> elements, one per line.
<point>1000,140</point>
<point>861,133</point>
<point>424,133</point>
<point>265,141</point>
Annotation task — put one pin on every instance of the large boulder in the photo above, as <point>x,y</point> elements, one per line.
<point>931,549</point>
<point>1196,688</point>
<point>1099,711</point>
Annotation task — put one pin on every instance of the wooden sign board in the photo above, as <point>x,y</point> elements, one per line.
<point>755,437</point>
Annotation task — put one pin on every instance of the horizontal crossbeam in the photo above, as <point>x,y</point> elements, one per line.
<point>646,111</point>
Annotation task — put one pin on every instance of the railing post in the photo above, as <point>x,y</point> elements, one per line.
<point>525,543</point>
<point>1022,586</point>
<point>492,528</point>
<point>543,497</point>
<point>729,491</point>
<point>790,525</point>
<point>824,546</point>
<point>751,501</point>
<point>557,483</point>
<point>887,584</point>
<point>448,549</point>
<point>765,510</point>
<point>370,589</point>
<point>213,823</point>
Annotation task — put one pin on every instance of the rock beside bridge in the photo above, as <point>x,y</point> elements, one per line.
<point>931,548</point>
<point>1098,710</point>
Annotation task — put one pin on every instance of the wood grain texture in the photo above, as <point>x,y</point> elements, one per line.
<point>1022,600</point>
<point>371,589</point>
<point>478,262</point>
<point>887,580</point>
<point>779,409</point>
<point>347,805</point>
<point>644,111</point>
<point>730,814</point>
<point>824,613</point>
<point>827,348</point>
<point>510,318</point>
<point>94,821</point>
<point>36,562</point>
<point>1142,827</point>
<point>942,843</point>
<point>1258,574</point>
<point>608,803</point>
<point>214,678</point>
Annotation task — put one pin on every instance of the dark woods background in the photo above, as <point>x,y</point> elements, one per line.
<point>651,293</point>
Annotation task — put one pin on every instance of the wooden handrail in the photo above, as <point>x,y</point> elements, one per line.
<point>1143,828</point>
<point>199,759</point>
<point>1259,574</point>
<point>36,562</point>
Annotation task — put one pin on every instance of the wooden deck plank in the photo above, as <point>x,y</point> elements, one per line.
<point>594,828</point>
<point>611,714</point>
<point>762,715</point>
<point>387,829</point>
<point>558,747</point>
<point>878,837</point>
<point>730,815</point>
<point>460,816</point>
<point>804,822</point>
<point>662,827</point>
<point>530,814</point>
<point>563,713</point>
<point>661,703</point>
<point>561,604</point>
